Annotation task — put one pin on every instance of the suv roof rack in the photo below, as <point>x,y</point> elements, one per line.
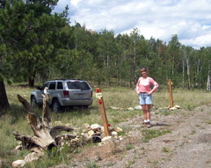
<point>58,79</point>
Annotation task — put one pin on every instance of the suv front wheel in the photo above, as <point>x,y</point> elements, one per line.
<point>33,102</point>
<point>56,107</point>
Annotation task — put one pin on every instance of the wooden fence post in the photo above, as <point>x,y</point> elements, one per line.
<point>102,111</point>
<point>170,93</point>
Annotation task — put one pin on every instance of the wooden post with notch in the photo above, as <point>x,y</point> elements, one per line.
<point>102,111</point>
<point>170,93</point>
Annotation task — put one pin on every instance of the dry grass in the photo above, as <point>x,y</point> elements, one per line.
<point>14,118</point>
<point>187,99</point>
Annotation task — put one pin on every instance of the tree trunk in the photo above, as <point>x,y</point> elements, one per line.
<point>4,104</point>
<point>208,82</point>
<point>31,82</point>
<point>183,73</point>
<point>198,67</point>
<point>188,72</point>
<point>31,78</point>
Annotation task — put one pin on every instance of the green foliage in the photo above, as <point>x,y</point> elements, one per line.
<point>129,146</point>
<point>34,43</point>
<point>43,44</point>
<point>92,165</point>
<point>164,149</point>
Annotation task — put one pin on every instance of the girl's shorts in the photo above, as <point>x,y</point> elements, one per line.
<point>144,98</point>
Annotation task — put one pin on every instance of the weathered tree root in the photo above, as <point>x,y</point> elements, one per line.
<point>45,137</point>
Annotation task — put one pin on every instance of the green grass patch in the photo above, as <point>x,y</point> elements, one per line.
<point>54,157</point>
<point>129,146</point>
<point>208,122</point>
<point>92,165</point>
<point>164,149</point>
<point>165,112</point>
<point>152,133</point>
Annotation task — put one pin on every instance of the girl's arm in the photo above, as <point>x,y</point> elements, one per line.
<point>155,84</point>
<point>137,86</point>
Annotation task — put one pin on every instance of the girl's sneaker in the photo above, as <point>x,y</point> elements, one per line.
<point>144,124</point>
<point>148,125</point>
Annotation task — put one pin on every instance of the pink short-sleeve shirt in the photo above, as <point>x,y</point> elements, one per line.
<point>144,85</point>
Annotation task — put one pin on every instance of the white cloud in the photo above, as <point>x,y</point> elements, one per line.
<point>203,40</point>
<point>190,20</point>
<point>74,2</point>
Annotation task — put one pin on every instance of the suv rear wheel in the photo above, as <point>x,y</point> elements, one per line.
<point>56,107</point>
<point>85,107</point>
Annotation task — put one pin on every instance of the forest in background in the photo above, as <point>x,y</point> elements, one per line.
<point>37,45</point>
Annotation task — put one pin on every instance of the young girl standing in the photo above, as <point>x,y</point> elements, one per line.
<point>143,89</point>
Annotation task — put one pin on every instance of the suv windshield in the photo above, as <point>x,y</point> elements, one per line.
<point>78,85</point>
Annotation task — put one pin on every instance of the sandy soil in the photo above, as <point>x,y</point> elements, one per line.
<point>188,145</point>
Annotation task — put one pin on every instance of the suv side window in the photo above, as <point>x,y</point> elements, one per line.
<point>59,85</point>
<point>52,86</point>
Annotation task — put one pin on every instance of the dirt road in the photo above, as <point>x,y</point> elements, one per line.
<point>186,145</point>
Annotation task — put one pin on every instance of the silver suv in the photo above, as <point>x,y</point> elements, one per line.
<point>64,93</point>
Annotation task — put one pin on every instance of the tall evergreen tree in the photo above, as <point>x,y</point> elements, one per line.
<point>31,34</point>
<point>106,48</point>
<point>29,37</point>
<point>174,59</point>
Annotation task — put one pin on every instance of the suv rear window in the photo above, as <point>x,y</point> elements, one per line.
<point>59,85</point>
<point>78,85</point>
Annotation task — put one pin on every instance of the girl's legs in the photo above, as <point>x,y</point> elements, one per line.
<point>144,108</point>
<point>146,101</point>
<point>148,116</point>
<point>148,107</point>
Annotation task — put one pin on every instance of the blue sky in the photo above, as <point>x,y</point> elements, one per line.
<point>189,19</point>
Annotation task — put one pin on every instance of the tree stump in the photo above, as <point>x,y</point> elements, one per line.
<point>45,137</point>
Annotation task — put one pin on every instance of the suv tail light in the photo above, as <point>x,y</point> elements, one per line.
<point>66,93</point>
<point>91,93</point>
